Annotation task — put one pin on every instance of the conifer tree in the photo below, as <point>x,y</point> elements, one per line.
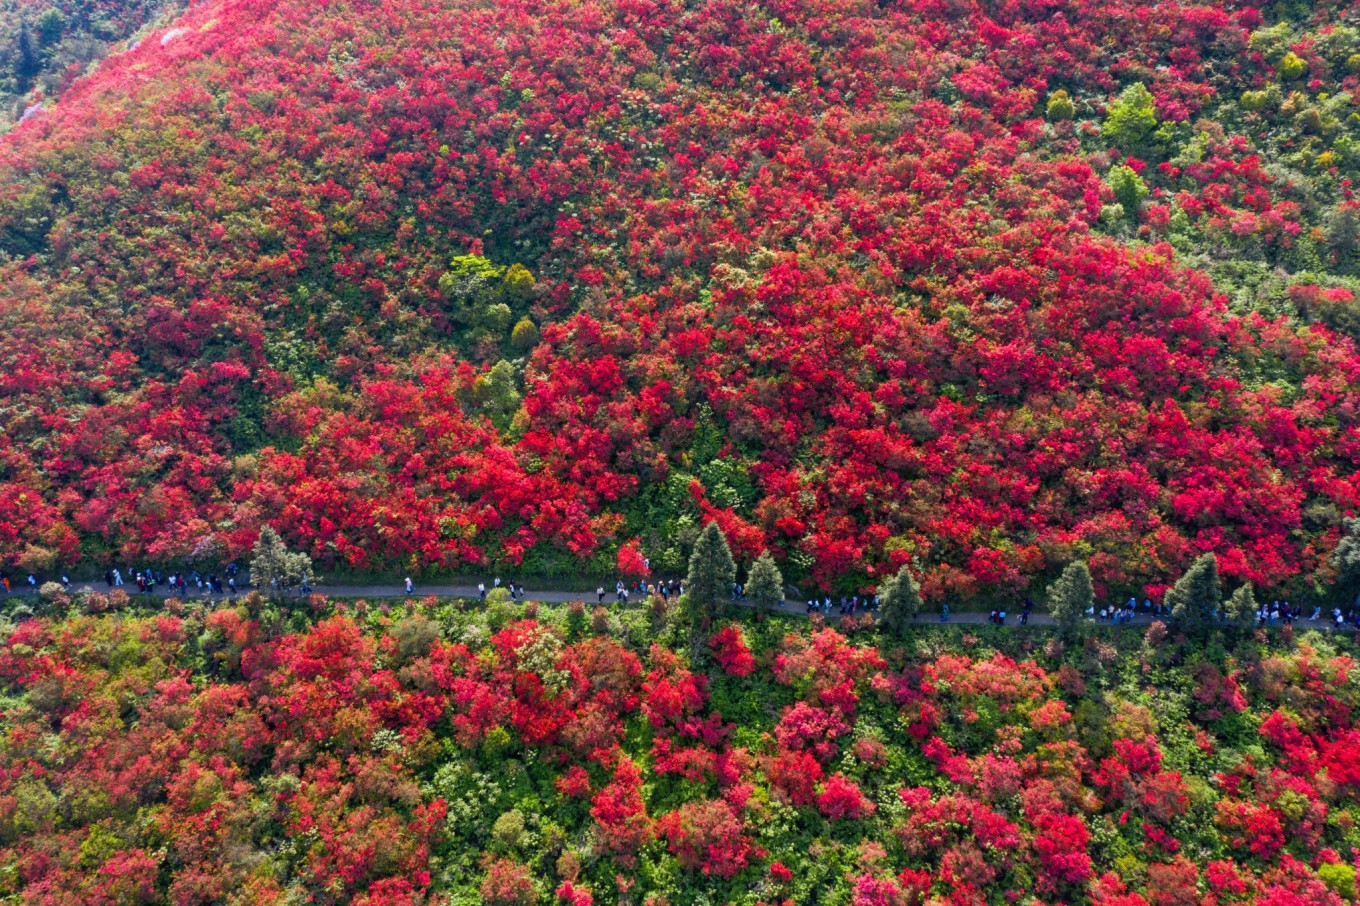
<point>26,64</point>
<point>1195,597</point>
<point>899,601</point>
<point>1240,611</point>
<point>711,570</point>
<point>765,584</point>
<point>273,567</point>
<point>1345,558</point>
<point>1071,596</point>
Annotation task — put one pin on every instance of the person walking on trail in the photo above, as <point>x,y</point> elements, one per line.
<point>5,581</point>
<point>599,595</point>
<point>32,582</point>
<point>117,578</point>
<point>409,586</point>
<point>481,591</point>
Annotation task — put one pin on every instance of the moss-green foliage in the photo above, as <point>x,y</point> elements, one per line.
<point>524,336</point>
<point>484,298</point>
<point>1292,67</point>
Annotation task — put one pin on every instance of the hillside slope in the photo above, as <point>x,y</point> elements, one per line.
<point>425,284</point>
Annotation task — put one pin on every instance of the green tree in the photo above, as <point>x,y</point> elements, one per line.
<point>469,286</point>
<point>1071,596</point>
<point>1128,187</point>
<point>1195,597</point>
<point>765,584</point>
<point>273,567</point>
<point>899,601</point>
<point>1130,118</point>
<point>497,394</point>
<point>711,569</point>
<point>496,318</point>
<point>1345,558</point>
<point>26,63</point>
<point>1240,610</point>
<point>1342,227</point>
<point>51,24</point>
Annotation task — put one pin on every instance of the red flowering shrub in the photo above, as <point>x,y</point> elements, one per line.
<point>795,775</point>
<point>621,814</point>
<point>508,883</point>
<point>708,837</point>
<point>630,560</point>
<point>805,727</point>
<point>841,798</point>
<point>1060,841</point>
<point>729,648</point>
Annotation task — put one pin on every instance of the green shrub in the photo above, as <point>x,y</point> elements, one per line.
<point>496,318</point>
<point>525,335</point>
<point>1060,106</point>
<point>508,829</point>
<point>519,283</point>
<point>1291,68</point>
<point>1339,878</point>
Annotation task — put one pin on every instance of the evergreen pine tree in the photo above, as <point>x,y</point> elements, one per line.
<point>1195,597</point>
<point>1346,558</point>
<point>1071,596</point>
<point>273,567</point>
<point>765,584</point>
<point>1240,611</point>
<point>26,64</point>
<point>711,570</point>
<point>899,601</point>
